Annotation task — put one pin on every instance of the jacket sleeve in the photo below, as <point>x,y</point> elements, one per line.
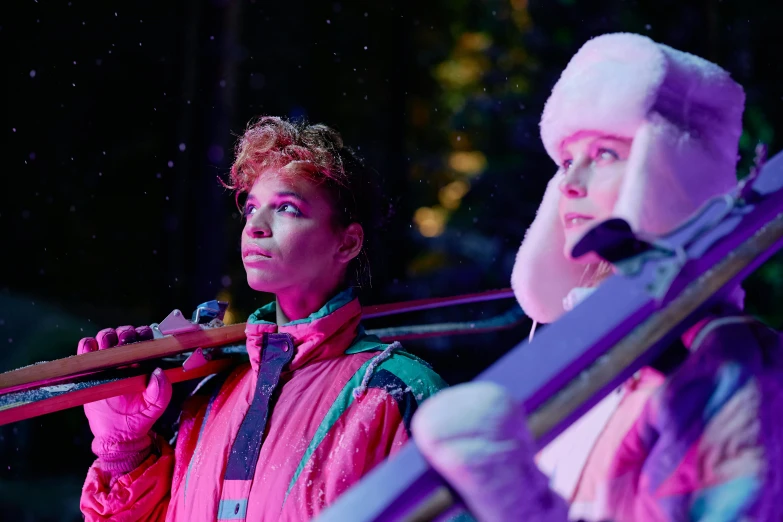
<point>143,494</point>
<point>704,447</point>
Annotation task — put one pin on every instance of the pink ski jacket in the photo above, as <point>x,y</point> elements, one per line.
<point>278,439</point>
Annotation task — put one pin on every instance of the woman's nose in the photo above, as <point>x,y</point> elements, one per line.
<point>573,185</point>
<point>257,226</point>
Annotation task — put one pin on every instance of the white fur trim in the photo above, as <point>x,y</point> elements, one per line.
<point>542,276</point>
<point>616,80</point>
<point>608,86</point>
<point>684,115</point>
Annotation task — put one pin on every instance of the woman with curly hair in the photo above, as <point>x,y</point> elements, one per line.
<point>320,402</point>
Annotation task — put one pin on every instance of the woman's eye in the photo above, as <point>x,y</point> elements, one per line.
<point>567,164</point>
<point>606,155</point>
<point>288,208</point>
<point>248,211</point>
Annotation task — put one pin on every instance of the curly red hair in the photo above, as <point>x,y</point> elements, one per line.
<point>272,142</point>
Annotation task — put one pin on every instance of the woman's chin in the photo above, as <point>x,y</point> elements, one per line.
<point>260,284</point>
<point>571,241</point>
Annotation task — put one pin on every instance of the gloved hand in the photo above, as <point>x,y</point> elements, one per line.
<point>121,425</point>
<point>475,436</point>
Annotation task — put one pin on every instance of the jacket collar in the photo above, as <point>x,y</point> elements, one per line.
<point>325,334</point>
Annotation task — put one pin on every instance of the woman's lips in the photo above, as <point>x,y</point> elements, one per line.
<point>573,220</point>
<point>254,255</point>
<point>255,258</point>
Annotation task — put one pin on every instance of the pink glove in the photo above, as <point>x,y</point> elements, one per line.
<point>121,425</point>
<point>475,436</point>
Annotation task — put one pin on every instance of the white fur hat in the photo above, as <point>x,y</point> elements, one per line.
<point>684,115</point>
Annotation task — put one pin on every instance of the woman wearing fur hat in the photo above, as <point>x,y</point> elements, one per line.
<point>646,133</point>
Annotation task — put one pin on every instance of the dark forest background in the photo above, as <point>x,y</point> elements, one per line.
<point>120,116</point>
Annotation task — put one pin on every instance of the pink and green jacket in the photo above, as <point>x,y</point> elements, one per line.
<point>319,405</point>
<point>703,444</point>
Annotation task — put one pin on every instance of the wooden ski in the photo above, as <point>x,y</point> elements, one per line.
<point>73,381</point>
<point>26,404</point>
<point>52,372</point>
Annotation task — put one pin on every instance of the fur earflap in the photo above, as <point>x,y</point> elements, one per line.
<point>542,276</point>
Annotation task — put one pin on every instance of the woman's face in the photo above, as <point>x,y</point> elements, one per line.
<point>592,173</point>
<point>291,243</point>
